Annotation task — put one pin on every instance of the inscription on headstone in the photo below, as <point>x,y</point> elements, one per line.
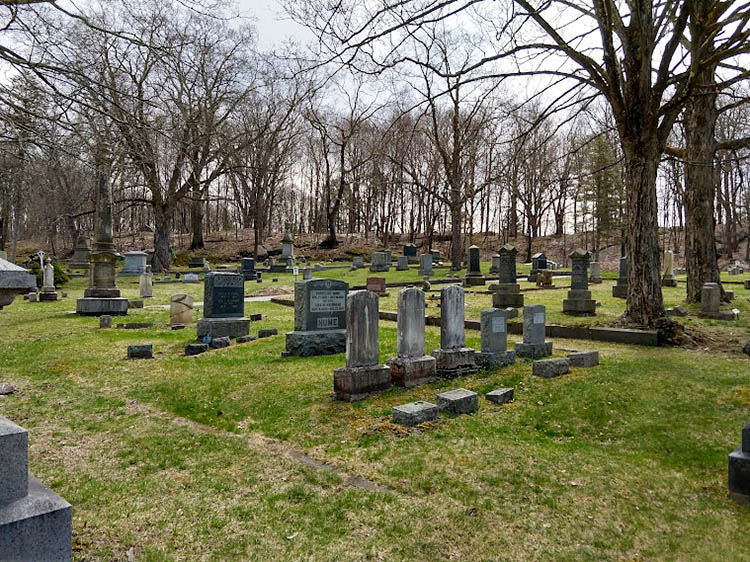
<point>223,295</point>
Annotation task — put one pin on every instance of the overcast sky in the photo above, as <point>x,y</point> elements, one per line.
<point>273,27</point>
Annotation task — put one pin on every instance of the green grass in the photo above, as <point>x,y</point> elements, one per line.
<point>184,458</point>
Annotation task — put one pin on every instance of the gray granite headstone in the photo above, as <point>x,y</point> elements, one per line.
<point>411,323</point>
<point>320,304</point>
<point>135,264</point>
<point>620,290</point>
<point>362,343</point>
<point>507,264</point>
<point>425,268</point>
<point>380,262</point>
<point>710,298</point>
<point>402,264</point>
<point>494,330</point>
<point>358,262</point>
<point>534,323</point>
<point>452,334</point>
<point>223,295</point>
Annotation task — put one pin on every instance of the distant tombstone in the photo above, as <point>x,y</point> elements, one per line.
<point>534,345</point>
<point>48,293</point>
<point>711,303</point>
<point>376,285</point>
<point>358,262</point>
<point>410,251</point>
<point>248,269</point>
<point>669,280</point>
<point>538,263</point>
<point>307,273</point>
<point>425,269</point>
<point>739,469</point>
<point>507,293</point>
<point>35,523</point>
<point>544,279</point>
<point>474,275</point>
<point>620,290</point>
<point>596,273</point>
<point>223,306</point>
<point>198,262</point>
<point>191,278</point>
<point>412,366</point>
<point>494,337</point>
<point>453,358</point>
<point>363,375</point>
<point>287,244</point>
<point>146,284</point>
<point>319,318</point>
<point>380,262</point>
<point>435,255</point>
<point>579,301</point>
<point>135,264</point>
<point>495,265</point>
<point>180,309</point>
<point>81,253</point>
<point>402,263</point>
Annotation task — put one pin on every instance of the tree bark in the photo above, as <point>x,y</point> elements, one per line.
<point>196,222</point>
<point>162,235</point>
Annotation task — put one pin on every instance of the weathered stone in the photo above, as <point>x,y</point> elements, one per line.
<point>538,264</point>
<point>677,311</point>
<point>710,298</point>
<point>195,349</point>
<point>247,269</point>
<point>415,413</point>
<point>410,251</point>
<point>549,368</point>
<point>579,301</point>
<point>181,309</point>
<point>729,294</point>
<point>544,279</point>
<point>14,465</point>
<point>459,401</point>
<point>223,327</point>
<point>135,264</point>
<point>358,262</point>
<point>267,333</point>
<point>596,273</point>
<point>315,342</point>
<point>620,290</point>
<point>307,273</point>
<point>376,285</point>
<point>48,293</point>
<point>14,280</point>
<point>380,262</point>
<point>453,358</point>
<point>256,317</point>
<point>135,303</point>
<point>175,327</point>
<point>501,396</point>
<point>534,328</point>
<point>494,337</point>
<point>105,321</point>
<point>495,264</point>
<point>6,389</point>
<point>220,342</point>
<point>135,325</point>
<point>511,312</point>
<point>402,263</point>
<point>198,262</point>
<point>669,280</point>
<point>33,296</point>
<point>507,293</point>
<point>81,253</point>
<point>583,359</point>
<point>245,339</point>
<point>425,265</point>
<point>145,351</point>
<point>319,318</point>
<point>474,275</point>
<point>191,278</point>
<point>287,243</point>
<point>739,469</point>
<point>146,284</point>
<point>412,367</point>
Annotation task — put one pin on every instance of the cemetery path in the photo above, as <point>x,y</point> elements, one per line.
<point>256,440</point>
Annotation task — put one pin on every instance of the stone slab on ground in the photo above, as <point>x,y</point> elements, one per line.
<point>494,360</point>
<point>584,359</point>
<point>220,327</point>
<point>458,401</point>
<point>451,363</point>
<point>195,349</point>
<point>500,396</point>
<point>414,413</point>
<point>135,303</point>
<point>355,383</point>
<point>267,333</point>
<point>549,368</point>
<point>144,351</point>
<point>105,321</point>
<point>220,342</point>
<point>315,342</point>
<point>95,306</point>
<point>134,325</point>
<point>412,371</point>
<point>534,350</point>
<point>677,311</point>
<point>246,339</point>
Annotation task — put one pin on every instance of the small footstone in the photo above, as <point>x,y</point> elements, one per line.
<point>105,321</point>
<point>414,413</point>
<point>267,333</point>
<point>512,312</point>
<point>246,339</point>
<point>177,326</point>
<point>548,368</point>
<point>135,303</point>
<point>6,389</point>
<point>459,401</point>
<point>584,358</point>
<point>500,396</point>
<point>729,295</point>
<point>274,280</point>
<point>218,343</point>
<point>195,349</point>
<point>677,311</point>
<point>256,317</point>
<point>141,351</point>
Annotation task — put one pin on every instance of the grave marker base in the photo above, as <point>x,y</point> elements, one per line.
<point>534,350</point>
<point>452,363</point>
<point>495,360</point>
<point>94,306</point>
<point>412,371</point>
<point>221,327</point>
<point>355,383</point>
<point>315,342</point>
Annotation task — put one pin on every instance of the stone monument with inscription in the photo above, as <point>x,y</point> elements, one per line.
<point>223,306</point>
<point>363,374</point>
<point>410,251</point>
<point>425,266</point>
<point>412,367</point>
<point>534,345</point>
<point>453,358</point>
<point>579,301</point>
<point>507,292</point>
<point>596,273</point>
<point>319,318</point>
<point>248,269</point>
<point>494,327</point>
<point>380,262</point>
<point>146,284</point>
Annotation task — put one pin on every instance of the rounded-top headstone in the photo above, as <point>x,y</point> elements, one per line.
<point>411,323</point>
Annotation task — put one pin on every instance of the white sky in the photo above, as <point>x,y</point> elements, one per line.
<point>272,24</point>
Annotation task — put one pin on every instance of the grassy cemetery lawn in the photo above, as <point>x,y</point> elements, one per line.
<point>211,457</point>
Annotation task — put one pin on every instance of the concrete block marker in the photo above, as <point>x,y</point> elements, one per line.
<point>584,359</point>
<point>268,333</point>
<point>195,349</point>
<point>459,401</point>
<point>35,523</point>
<point>246,339</point>
<point>549,368</point>
<point>414,413</point>
<point>500,396</point>
<point>219,343</point>
<point>145,351</point>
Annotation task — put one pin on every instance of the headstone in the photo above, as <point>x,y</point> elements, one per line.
<point>380,262</point>
<point>143,351</point>
<point>180,310</point>
<point>711,302</point>
<point>584,358</point>
<point>579,301</point>
<point>495,264</point>
<point>534,345</point>
<point>35,523</point>
<point>677,311</point>
<point>425,266</point>
<point>402,264</point>
<point>287,244</point>
<point>48,292</point>
<point>414,413</point>
<point>377,285</point>
<point>81,253</point>
<point>220,342</point>
<point>248,269</point>
<point>729,294</point>
<point>358,262</point>
<point>191,278</point>
<point>363,375</point>
<point>550,368</point>
<point>500,396</point>
<point>135,303</point>
<point>223,306</point>
<point>507,293</point>
<point>410,251</point>
<point>669,280</point>
<point>412,367</point>
<point>458,401</point>
<point>474,275</point>
<point>453,358</point>
<point>146,284</point>
<point>198,262</point>
<point>435,255</point>
<point>739,469</point>
<point>544,279</point>
<point>538,263</point>
<point>319,318</point>
<point>596,273</point>
<point>620,290</point>
<point>494,329</point>
<point>33,296</point>
<point>195,349</point>
<point>307,273</point>
<point>105,321</point>
<point>135,264</point>
<point>267,333</point>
